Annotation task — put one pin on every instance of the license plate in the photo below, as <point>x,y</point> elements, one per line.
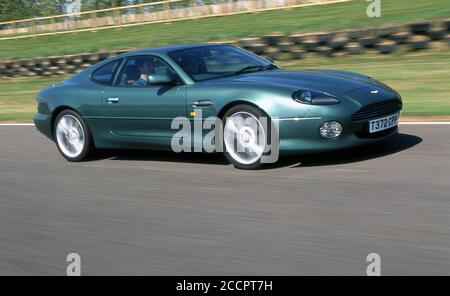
<point>383,123</point>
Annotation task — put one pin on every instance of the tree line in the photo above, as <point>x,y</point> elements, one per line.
<point>11,10</point>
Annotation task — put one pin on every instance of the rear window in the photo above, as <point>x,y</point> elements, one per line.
<point>105,74</point>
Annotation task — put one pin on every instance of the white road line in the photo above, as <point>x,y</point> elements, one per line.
<point>424,122</point>
<point>16,124</point>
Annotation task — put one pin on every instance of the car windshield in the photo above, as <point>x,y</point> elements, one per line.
<point>208,62</point>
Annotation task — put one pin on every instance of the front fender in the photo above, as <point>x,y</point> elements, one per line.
<point>276,102</point>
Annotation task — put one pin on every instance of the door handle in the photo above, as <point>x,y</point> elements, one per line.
<point>112,100</point>
<point>202,103</point>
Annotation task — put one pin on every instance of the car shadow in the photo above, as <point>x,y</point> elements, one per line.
<point>392,145</point>
<point>164,156</point>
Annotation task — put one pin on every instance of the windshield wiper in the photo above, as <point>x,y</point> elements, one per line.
<point>255,68</point>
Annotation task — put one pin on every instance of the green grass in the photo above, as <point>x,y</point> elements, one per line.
<point>18,97</point>
<point>423,80</point>
<point>307,19</point>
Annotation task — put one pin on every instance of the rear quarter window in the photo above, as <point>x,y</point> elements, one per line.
<point>105,74</point>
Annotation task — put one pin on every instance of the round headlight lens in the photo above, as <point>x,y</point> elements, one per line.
<point>302,96</point>
<point>330,129</point>
<point>314,98</point>
<point>305,96</point>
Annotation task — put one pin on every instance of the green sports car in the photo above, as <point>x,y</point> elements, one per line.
<point>163,98</point>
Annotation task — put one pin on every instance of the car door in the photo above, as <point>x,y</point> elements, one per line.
<point>135,110</point>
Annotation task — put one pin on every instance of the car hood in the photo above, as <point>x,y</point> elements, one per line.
<point>329,81</point>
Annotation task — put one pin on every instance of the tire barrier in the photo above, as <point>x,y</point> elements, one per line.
<point>386,47</point>
<point>273,39</point>
<point>296,38</point>
<point>437,34</point>
<point>400,37</point>
<point>324,38</point>
<point>297,54</point>
<point>383,40</point>
<point>368,42</point>
<point>419,43</point>
<point>323,50</point>
<point>285,46</point>
<point>338,43</point>
<point>420,27</point>
<point>272,52</point>
<point>309,43</point>
<point>55,65</point>
<point>354,48</point>
<point>387,32</point>
<point>257,48</point>
<point>249,42</point>
<point>355,34</point>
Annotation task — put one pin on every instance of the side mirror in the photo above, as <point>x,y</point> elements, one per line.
<point>160,78</point>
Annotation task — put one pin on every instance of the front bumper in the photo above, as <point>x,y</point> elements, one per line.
<point>301,135</point>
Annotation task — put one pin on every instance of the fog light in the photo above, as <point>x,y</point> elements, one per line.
<point>330,129</point>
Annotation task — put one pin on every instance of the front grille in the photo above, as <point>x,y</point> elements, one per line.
<point>377,109</point>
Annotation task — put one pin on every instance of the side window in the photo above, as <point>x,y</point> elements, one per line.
<point>136,70</point>
<point>105,74</point>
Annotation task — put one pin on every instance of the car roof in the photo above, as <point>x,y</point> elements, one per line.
<point>167,49</point>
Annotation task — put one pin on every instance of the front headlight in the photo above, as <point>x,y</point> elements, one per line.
<point>314,98</point>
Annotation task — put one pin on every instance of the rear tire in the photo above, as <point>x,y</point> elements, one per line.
<point>245,137</point>
<point>72,136</point>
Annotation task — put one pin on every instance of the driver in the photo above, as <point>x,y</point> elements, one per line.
<point>145,68</point>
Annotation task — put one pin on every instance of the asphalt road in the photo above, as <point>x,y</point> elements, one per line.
<point>154,213</point>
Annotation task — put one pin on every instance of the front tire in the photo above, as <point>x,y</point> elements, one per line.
<point>72,136</point>
<point>245,136</point>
